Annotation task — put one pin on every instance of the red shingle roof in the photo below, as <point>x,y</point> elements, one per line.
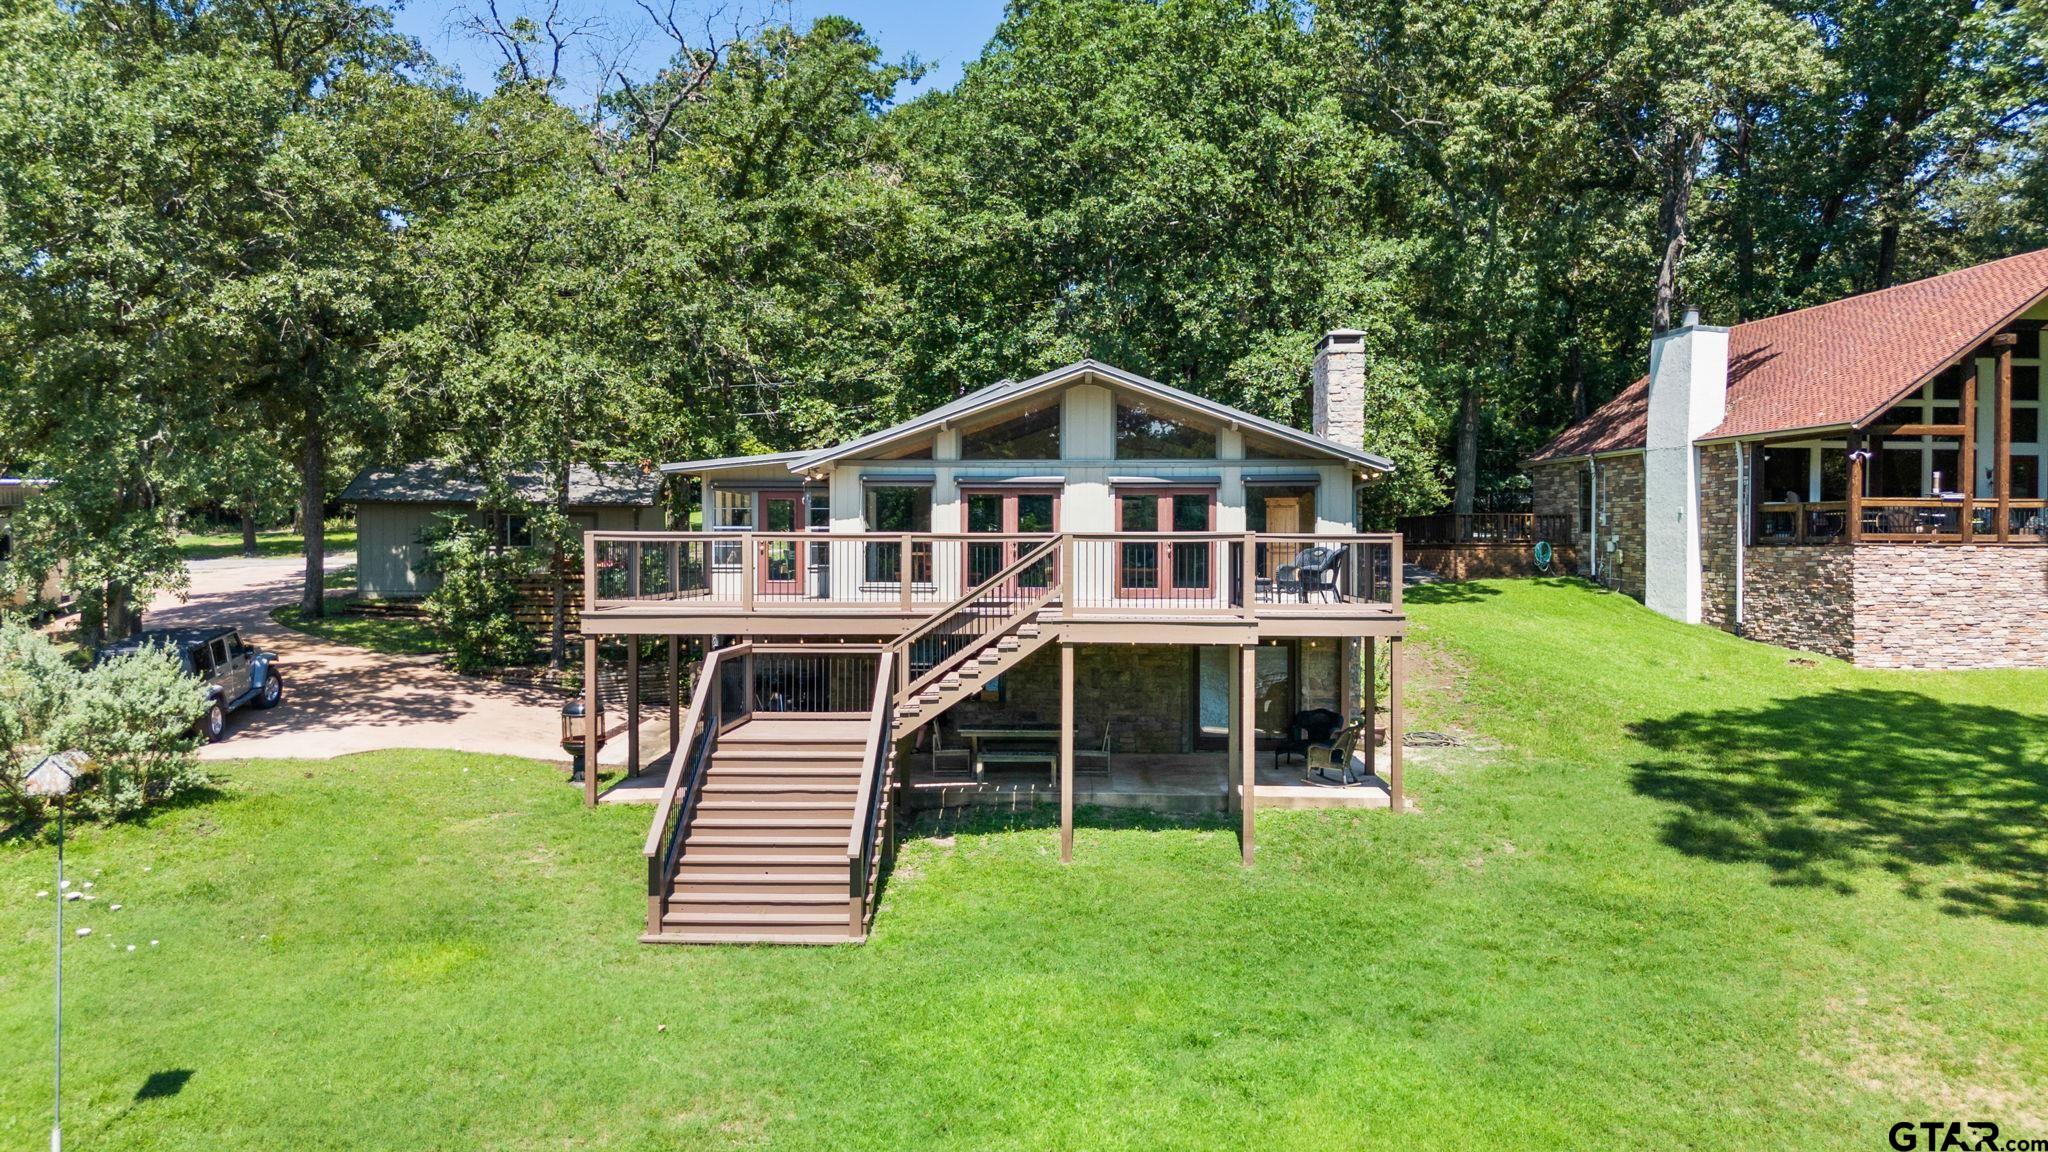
<point>1836,363</point>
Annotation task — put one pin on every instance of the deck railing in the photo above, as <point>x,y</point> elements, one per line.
<point>871,804</point>
<point>1179,573</point>
<point>1486,528</point>
<point>685,782</point>
<point>1897,520</point>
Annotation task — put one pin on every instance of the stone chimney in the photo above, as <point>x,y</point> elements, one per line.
<point>1338,393</point>
<point>1688,397</point>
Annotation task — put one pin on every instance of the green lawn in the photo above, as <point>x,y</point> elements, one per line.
<point>1676,891</point>
<point>340,537</point>
<point>400,635</point>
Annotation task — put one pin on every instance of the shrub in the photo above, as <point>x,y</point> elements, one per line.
<point>475,608</point>
<point>132,716</point>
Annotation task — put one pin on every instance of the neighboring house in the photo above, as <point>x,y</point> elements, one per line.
<point>1863,478</point>
<point>14,494</point>
<point>1087,571</point>
<point>395,506</point>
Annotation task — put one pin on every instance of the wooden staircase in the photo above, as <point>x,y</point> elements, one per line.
<point>970,676</point>
<point>764,857</point>
<point>773,825</point>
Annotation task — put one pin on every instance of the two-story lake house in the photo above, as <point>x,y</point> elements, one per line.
<point>1084,588</point>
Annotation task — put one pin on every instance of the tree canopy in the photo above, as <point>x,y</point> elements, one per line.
<point>252,244</point>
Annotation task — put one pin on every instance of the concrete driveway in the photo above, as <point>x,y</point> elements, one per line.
<point>339,699</point>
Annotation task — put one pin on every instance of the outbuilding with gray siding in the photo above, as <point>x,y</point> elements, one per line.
<point>395,506</point>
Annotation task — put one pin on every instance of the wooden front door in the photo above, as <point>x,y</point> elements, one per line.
<point>1008,513</point>
<point>779,565</point>
<point>1162,568</point>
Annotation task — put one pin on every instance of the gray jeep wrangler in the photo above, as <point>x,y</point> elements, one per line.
<point>233,673</point>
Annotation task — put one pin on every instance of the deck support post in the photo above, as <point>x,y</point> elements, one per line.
<point>1066,752</point>
<point>1966,460</point>
<point>2002,478</point>
<point>675,695</point>
<point>1396,673</point>
<point>1347,678</point>
<point>1232,802</point>
<point>632,707</point>
<point>1248,742</point>
<point>1856,486</point>
<point>593,735</point>
<point>1369,738</point>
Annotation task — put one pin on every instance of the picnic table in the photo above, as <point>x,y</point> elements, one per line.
<point>1022,743</point>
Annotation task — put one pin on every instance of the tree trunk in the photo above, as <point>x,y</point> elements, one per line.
<point>248,531</point>
<point>1887,255</point>
<point>1681,163</point>
<point>312,503</point>
<point>558,621</point>
<point>1468,450</point>
<point>1575,370</point>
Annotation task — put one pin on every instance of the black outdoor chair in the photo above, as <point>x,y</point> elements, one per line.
<point>1307,729</point>
<point>1336,755</point>
<point>1315,570</point>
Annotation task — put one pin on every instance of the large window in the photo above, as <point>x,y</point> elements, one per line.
<point>732,510</point>
<point>1912,466</point>
<point>1144,433</point>
<point>1033,436</point>
<point>1787,474</point>
<point>894,509</point>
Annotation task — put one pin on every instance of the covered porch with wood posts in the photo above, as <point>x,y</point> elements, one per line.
<point>1957,461</point>
<point>1050,738</point>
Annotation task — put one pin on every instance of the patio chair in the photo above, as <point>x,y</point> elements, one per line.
<point>1308,728</point>
<point>1337,754</point>
<point>1094,760</point>
<point>1315,570</point>
<point>938,767</point>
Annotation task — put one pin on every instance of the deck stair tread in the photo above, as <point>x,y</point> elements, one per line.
<point>742,937</point>
<point>749,897</point>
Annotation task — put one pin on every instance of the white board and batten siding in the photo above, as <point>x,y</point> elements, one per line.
<point>1087,470</point>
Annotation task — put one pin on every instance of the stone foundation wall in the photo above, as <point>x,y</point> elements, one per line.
<point>1616,545</point>
<point>1720,521</point>
<point>1490,561</point>
<point>1145,692</point>
<point>1951,606</point>
<point>1619,543</point>
<point>1554,491</point>
<point>1800,596</point>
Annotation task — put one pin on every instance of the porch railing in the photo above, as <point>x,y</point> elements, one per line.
<point>1896,520</point>
<point>1486,528</point>
<point>1182,573</point>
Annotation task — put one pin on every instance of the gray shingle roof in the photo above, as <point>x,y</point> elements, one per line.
<point>431,482</point>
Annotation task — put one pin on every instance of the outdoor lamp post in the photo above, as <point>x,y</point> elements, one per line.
<point>53,779</point>
<point>576,738</point>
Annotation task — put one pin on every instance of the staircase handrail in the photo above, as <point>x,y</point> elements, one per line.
<point>901,645</point>
<point>860,838</point>
<point>685,772</point>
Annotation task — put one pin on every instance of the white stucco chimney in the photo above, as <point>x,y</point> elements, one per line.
<point>1338,393</point>
<point>1688,397</point>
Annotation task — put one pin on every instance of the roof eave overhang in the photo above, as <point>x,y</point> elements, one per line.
<point>1871,417</point>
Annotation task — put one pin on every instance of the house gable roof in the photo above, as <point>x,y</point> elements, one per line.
<point>432,482</point>
<point>1836,364</point>
<point>1007,391</point>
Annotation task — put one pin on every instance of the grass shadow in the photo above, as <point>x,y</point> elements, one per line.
<point>1447,593</point>
<point>163,1085</point>
<point>1948,800</point>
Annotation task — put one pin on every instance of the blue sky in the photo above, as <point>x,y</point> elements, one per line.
<point>944,33</point>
